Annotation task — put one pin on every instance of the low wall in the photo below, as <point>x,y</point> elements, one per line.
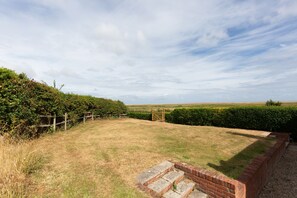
<point>213,184</point>
<point>248,184</point>
<point>257,173</point>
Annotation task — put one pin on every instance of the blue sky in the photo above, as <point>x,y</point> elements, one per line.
<point>149,51</point>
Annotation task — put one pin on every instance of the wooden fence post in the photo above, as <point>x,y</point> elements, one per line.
<point>65,124</point>
<point>84,119</point>
<point>153,115</point>
<point>92,116</point>
<point>54,123</point>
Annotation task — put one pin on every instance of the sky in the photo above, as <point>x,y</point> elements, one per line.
<point>155,51</point>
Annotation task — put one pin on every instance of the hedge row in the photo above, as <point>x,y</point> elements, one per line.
<point>275,119</point>
<point>22,101</point>
<point>140,115</point>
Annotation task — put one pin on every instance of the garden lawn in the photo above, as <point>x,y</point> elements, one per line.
<point>103,158</point>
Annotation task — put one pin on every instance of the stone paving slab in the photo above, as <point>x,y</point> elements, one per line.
<point>173,176</point>
<point>194,194</point>
<point>184,188</point>
<point>158,181</point>
<point>171,194</point>
<point>160,186</point>
<point>154,172</point>
<point>197,194</point>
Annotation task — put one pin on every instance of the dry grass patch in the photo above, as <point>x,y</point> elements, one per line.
<point>103,158</point>
<point>17,163</point>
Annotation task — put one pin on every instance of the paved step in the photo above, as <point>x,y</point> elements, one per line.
<point>163,180</point>
<point>171,194</point>
<point>152,174</point>
<point>182,190</point>
<point>197,194</point>
<point>165,183</point>
<point>159,187</point>
<point>174,176</point>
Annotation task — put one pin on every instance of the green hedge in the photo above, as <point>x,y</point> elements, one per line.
<point>22,101</point>
<point>140,115</point>
<point>275,119</point>
<point>194,116</point>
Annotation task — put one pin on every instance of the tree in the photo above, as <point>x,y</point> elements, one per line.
<point>273,103</point>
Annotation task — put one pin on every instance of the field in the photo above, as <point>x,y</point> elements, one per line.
<point>103,158</point>
<point>171,107</point>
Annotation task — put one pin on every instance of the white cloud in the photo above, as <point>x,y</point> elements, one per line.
<point>212,39</point>
<point>150,51</point>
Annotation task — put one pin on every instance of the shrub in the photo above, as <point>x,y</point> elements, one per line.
<point>201,116</point>
<point>140,115</point>
<point>168,117</point>
<point>273,103</point>
<point>275,119</point>
<point>23,100</point>
<point>270,119</point>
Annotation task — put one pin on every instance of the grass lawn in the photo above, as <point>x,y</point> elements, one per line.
<point>103,158</point>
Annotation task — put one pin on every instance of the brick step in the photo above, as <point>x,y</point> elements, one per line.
<point>165,183</point>
<point>154,173</point>
<point>182,190</point>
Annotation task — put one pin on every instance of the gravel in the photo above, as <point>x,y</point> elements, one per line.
<point>283,182</point>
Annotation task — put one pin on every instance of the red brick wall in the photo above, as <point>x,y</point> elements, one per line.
<point>256,174</point>
<point>249,183</point>
<point>213,184</point>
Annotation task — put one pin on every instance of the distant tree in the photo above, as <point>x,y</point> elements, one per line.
<point>273,103</point>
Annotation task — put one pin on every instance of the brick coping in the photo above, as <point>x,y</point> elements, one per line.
<point>248,184</point>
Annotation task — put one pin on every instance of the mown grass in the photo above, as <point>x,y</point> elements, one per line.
<point>171,107</point>
<point>103,158</point>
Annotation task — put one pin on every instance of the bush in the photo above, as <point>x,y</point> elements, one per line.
<point>168,117</point>
<point>269,119</point>
<point>23,100</point>
<point>200,116</point>
<point>273,103</point>
<point>275,119</point>
<point>140,115</point>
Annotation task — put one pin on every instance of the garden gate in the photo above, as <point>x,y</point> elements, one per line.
<point>158,115</point>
